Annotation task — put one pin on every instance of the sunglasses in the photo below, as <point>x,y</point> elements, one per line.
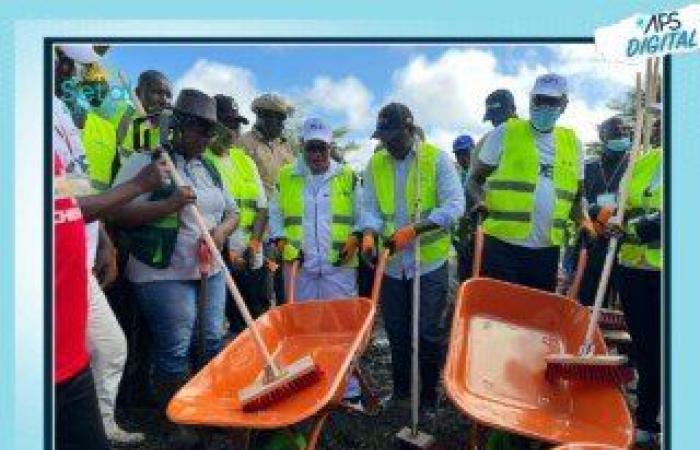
<point>546,100</point>
<point>316,147</point>
<point>202,128</point>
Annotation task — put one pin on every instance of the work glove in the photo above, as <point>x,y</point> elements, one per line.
<point>204,258</point>
<point>254,246</point>
<point>401,238</point>
<point>614,227</point>
<point>349,250</point>
<point>601,217</point>
<point>368,249</point>
<point>647,227</point>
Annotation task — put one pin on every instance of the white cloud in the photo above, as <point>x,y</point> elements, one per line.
<point>213,77</point>
<point>348,97</point>
<point>447,94</point>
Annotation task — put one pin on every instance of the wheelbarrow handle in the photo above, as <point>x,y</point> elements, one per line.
<point>379,275</point>
<point>478,245</point>
<point>291,285</point>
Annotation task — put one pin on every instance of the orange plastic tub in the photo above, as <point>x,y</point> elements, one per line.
<point>586,446</point>
<point>332,332</point>
<point>501,333</point>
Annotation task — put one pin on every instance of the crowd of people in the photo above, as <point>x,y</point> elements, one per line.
<point>139,307</point>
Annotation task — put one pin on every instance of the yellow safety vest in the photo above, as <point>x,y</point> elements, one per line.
<point>435,244</point>
<point>99,139</point>
<point>645,195</point>
<point>291,200</point>
<point>149,138</point>
<point>238,174</point>
<point>510,190</point>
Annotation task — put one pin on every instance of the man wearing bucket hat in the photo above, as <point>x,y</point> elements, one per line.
<point>270,151</point>
<point>389,204</point>
<point>264,143</point>
<point>164,241</point>
<point>528,178</point>
<point>314,217</point>
<point>240,176</point>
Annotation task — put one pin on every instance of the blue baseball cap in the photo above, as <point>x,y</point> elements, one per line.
<point>463,144</point>
<point>498,104</point>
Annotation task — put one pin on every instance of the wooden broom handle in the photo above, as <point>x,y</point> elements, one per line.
<point>179,182</point>
<point>238,298</point>
<point>623,191</point>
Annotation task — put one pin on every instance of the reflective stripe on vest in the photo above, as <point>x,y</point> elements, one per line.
<point>99,139</point>
<point>291,195</point>
<point>150,136</point>
<point>644,198</point>
<point>238,174</point>
<point>510,190</point>
<point>434,245</point>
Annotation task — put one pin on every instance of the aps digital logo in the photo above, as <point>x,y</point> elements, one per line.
<point>649,35</point>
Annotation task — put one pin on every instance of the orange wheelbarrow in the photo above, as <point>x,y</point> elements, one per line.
<point>501,333</point>
<point>335,333</point>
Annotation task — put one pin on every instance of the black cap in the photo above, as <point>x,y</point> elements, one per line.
<point>227,110</point>
<point>392,117</point>
<point>499,101</point>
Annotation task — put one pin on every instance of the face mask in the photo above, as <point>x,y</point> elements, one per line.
<point>619,145</point>
<point>543,118</point>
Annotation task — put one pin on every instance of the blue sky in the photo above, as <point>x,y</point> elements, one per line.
<point>445,85</point>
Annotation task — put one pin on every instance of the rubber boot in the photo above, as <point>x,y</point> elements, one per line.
<point>179,437</point>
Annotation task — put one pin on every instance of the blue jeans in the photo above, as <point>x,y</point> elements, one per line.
<point>170,310</point>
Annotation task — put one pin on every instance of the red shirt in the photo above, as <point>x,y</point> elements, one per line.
<point>70,281</point>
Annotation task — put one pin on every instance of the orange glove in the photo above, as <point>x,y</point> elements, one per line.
<point>349,250</point>
<point>204,257</point>
<point>402,237</point>
<point>601,220</point>
<point>367,247</point>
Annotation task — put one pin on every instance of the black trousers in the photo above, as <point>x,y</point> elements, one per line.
<point>591,275</point>
<point>396,303</point>
<point>78,420</point>
<point>253,287</point>
<point>535,268</point>
<point>640,293</point>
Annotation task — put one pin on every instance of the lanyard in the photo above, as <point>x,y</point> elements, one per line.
<point>608,181</point>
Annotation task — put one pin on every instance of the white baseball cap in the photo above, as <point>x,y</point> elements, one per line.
<point>315,129</point>
<point>551,85</point>
<point>80,53</point>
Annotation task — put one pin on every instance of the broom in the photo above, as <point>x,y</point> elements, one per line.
<point>280,382</point>
<point>586,366</point>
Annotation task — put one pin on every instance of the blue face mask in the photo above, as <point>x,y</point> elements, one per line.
<point>543,118</point>
<point>619,145</point>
